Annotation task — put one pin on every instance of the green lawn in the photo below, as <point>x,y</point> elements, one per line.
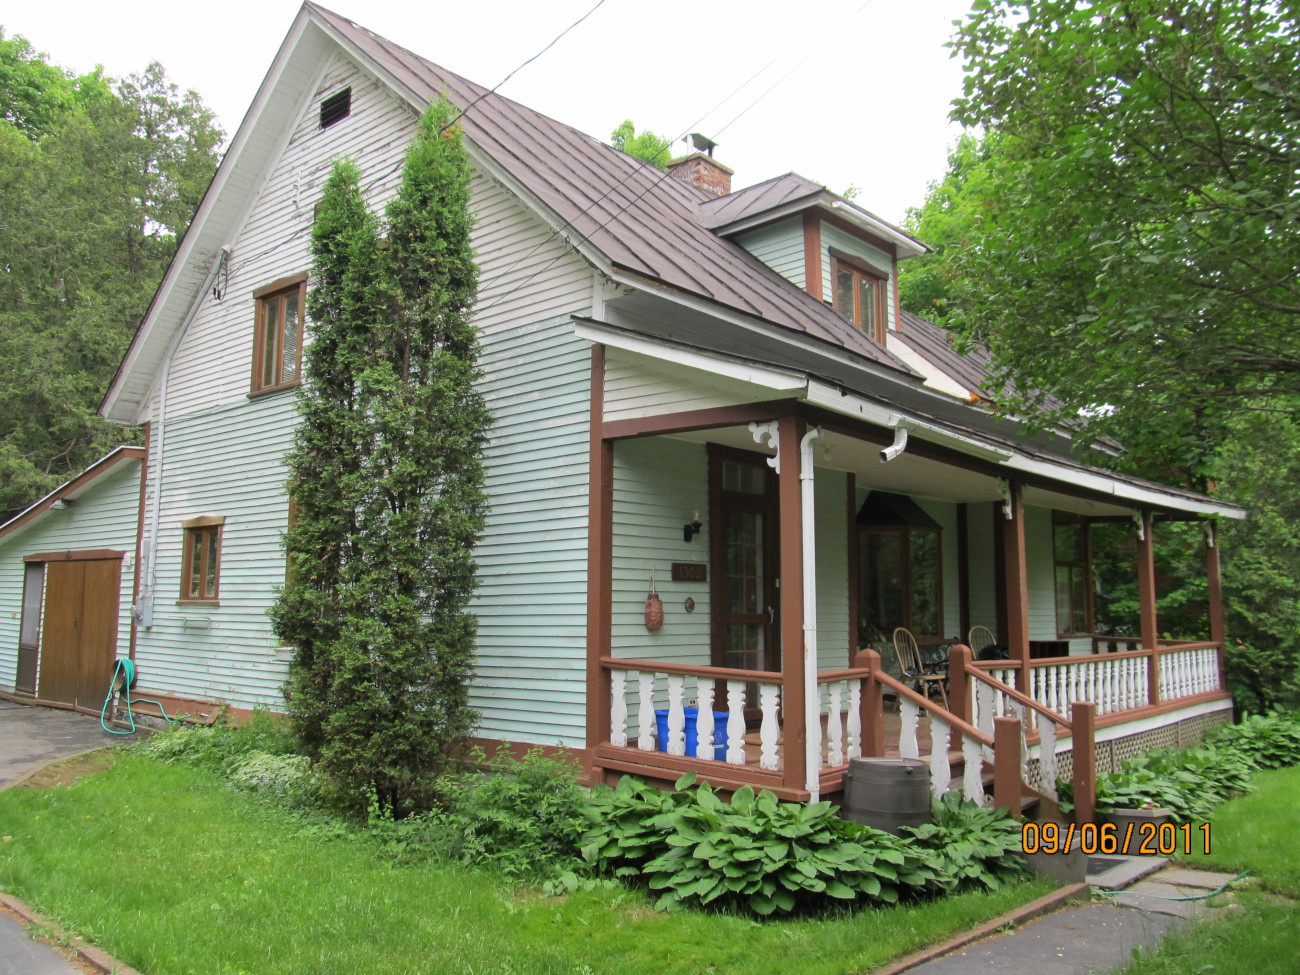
<point>174,873</point>
<point>1260,833</point>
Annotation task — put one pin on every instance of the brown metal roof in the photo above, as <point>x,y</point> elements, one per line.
<point>934,344</point>
<point>759,198</point>
<point>630,212</point>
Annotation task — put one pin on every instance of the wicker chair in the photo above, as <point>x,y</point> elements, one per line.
<point>911,669</point>
<point>980,637</point>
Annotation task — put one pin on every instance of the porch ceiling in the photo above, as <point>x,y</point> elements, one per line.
<point>908,474</point>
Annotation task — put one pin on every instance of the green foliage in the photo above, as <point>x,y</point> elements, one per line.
<point>287,778</point>
<point>1265,740</point>
<point>98,179</point>
<point>523,817</point>
<point>1128,231</point>
<point>978,848</point>
<point>386,469</point>
<point>752,854</point>
<point>221,746</point>
<point>644,145</point>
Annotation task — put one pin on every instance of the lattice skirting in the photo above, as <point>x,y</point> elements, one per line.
<point>1180,734</point>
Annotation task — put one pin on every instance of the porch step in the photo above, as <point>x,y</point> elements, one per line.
<point>1028,803</point>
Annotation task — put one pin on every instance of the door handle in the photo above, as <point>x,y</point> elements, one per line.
<point>771,615</point>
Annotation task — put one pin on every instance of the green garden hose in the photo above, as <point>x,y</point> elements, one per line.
<point>125,669</point>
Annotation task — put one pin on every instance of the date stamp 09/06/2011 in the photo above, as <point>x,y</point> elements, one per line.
<point>1133,839</point>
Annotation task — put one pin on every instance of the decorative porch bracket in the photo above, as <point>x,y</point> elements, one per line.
<point>772,431</point>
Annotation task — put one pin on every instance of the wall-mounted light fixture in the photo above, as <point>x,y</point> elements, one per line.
<point>691,528</point>
<point>63,504</point>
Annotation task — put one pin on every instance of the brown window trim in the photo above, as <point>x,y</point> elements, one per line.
<point>279,288</point>
<point>860,269</point>
<point>1066,518</point>
<point>195,529</point>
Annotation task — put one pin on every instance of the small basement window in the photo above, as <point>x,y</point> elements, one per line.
<point>336,108</point>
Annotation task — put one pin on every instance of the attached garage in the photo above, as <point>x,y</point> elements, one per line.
<point>66,581</point>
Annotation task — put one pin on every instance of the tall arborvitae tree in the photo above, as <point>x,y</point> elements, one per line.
<point>387,478</point>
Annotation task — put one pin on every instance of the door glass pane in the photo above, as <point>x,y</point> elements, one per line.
<point>270,341</point>
<point>867,303</point>
<point>744,646</point>
<point>880,598</point>
<point>844,292</point>
<point>926,610</point>
<point>289,351</point>
<point>1063,598</point>
<point>1079,602</point>
<point>743,479</point>
<point>1069,543</point>
<point>210,579</point>
<point>33,589</point>
<point>744,563</point>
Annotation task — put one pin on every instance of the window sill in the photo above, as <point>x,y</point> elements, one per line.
<point>271,390</point>
<point>198,602</point>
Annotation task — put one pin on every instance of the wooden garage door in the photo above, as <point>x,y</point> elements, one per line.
<point>79,635</point>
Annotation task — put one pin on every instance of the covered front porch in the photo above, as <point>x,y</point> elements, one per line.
<point>783,541</point>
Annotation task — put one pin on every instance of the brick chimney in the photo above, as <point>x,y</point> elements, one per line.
<point>703,171</point>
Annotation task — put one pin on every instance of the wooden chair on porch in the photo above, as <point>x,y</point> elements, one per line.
<point>911,669</point>
<point>979,639</point>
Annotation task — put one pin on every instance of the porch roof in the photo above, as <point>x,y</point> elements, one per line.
<point>933,418</point>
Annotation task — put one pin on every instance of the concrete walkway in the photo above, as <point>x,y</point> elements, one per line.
<point>31,737</point>
<point>1091,938</point>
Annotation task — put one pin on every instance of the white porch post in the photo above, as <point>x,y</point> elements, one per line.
<point>812,709</point>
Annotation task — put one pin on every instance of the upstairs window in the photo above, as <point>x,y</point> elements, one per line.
<point>859,296</point>
<point>277,339</point>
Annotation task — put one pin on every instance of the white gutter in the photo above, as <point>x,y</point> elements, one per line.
<point>143,609</point>
<point>812,711</point>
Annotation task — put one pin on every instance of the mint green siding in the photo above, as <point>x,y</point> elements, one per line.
<point>102,516</point>
<point>780,246</point>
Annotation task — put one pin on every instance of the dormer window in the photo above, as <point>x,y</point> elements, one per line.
<point>859,296</point>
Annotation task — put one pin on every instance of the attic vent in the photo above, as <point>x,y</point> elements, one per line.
<point>336,108</point>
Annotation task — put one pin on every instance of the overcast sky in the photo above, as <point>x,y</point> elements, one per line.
<point>858,94</point>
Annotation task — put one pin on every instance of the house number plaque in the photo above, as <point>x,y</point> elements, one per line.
<point>690,572</point>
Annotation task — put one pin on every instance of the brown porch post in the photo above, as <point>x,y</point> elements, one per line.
<point>871,706</point>
<point>794,736</point>
<point>1017,585</point>
<point>1083,721</point>
<point>1214,595</point>
<point>1147,602</point>
<point>1006,765</point>
<point>959,657</point>
<point>600,551</point>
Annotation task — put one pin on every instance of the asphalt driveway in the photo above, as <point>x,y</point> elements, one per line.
<point>30,737</point>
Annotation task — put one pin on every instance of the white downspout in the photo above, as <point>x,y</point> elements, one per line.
<point>144,608</point>
<point>811,693</point>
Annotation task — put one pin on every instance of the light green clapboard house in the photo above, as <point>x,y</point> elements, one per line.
<point>707,394</point>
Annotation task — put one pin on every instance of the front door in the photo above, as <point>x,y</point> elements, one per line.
<point>79,632</point>
<point>746,560</point>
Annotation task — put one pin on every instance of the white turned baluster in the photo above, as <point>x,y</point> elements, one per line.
<point>984,713</point>
<point>940,770</point>
<point>704,720</point>
<point>618,708</point>
<point>645,715</point>
<point>855,718</point>
<point>834,732</point>
<point>767,730</point>
<point>676,716</point>
<point>1056,690</point>
<point>1047,758</point>
<point>735,722</point>
<point>909,714</point>
<point>972,780</point>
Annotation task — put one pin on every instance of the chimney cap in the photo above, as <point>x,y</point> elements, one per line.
<point>703,143</point>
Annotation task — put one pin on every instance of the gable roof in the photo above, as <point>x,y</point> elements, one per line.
<point>73,489</point>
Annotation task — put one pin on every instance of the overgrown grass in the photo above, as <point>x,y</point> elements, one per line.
<point>1259,832</point>
<point>174,872</point>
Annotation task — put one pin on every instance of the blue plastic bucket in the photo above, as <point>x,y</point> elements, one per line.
<point>719,732</point>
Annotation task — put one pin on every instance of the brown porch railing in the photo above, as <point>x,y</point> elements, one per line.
<point>983,699</point>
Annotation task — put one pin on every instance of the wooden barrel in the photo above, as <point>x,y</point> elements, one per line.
<point>887,793</point>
